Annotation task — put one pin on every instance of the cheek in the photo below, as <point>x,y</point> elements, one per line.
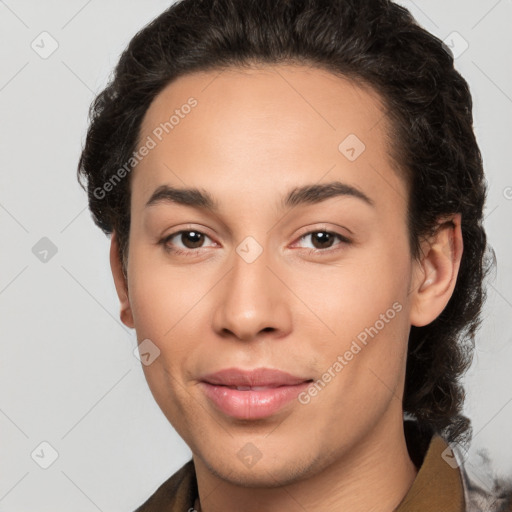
<point>149,300</point>
<point>168,308</point>
<point>343,300</point>
<point>162,301</point>
<point>161,295</point>
<point>362,313</point>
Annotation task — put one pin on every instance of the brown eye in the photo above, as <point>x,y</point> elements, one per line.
<point>186,242</point>
<point>322,239</point>
<point>192,239</point>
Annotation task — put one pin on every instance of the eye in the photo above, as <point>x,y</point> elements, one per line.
<point>322,241</point>
<point>188,242</point>
<point>184,242</point>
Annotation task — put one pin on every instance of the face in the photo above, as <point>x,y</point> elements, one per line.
<point>291,255</point>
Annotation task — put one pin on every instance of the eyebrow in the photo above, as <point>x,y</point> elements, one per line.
<point>307,194</point>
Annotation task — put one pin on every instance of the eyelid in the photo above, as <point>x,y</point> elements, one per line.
<point>344,240</point>
<point>323,229</point>
<point>186,228</point>
<point>181,231</point>
<point>164,241</point>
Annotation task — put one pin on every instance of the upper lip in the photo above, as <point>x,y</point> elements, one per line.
<point>257,377</point>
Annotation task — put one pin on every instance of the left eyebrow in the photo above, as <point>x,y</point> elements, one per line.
<point>307,194</point>
<point>312,194</point>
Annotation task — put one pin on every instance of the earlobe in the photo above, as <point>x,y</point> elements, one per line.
<point>436,273</point>
<point>120,282</point>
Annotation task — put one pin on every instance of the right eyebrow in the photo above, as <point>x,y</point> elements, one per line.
<point>184,196</point>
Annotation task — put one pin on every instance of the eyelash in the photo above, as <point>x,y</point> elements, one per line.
<point>195,252</point>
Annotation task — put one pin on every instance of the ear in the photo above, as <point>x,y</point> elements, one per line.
<point>436,274</point>
<point>120,282</point>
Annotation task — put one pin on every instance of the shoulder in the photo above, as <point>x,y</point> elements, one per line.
<point>482,491</point>
<point>176,494</point>
<point>450,481</point>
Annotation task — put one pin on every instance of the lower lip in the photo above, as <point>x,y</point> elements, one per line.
<point>251,405</point>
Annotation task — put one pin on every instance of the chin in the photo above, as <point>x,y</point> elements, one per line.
<point>269,473</point>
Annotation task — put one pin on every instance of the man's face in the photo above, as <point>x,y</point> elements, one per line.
<point>316,289</point>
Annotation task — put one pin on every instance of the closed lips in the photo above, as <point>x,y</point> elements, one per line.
<point>256,379</point>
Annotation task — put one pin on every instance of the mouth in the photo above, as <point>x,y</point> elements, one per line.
<point>257,377</point>
<point>251,395</point>
<point>250,388</point>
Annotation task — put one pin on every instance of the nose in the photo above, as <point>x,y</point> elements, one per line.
<point>252,300</point>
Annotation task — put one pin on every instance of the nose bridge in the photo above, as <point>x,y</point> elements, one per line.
<point>252,298</point>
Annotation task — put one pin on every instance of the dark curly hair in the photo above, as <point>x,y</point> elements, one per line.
<point>375,43</point>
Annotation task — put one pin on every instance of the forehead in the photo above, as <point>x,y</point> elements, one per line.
<point>303,98</point>
<point>279,125</point>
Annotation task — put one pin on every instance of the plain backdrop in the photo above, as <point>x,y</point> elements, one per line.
<point>68,376</point>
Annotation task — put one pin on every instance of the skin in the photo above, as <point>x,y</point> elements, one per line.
<point>254,135</point>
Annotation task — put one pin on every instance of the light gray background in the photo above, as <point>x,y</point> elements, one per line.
<point>68,375</point>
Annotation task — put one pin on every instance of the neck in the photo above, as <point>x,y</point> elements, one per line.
<point>374,476</point>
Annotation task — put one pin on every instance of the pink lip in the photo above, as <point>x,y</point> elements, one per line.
<point>279,389</point>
